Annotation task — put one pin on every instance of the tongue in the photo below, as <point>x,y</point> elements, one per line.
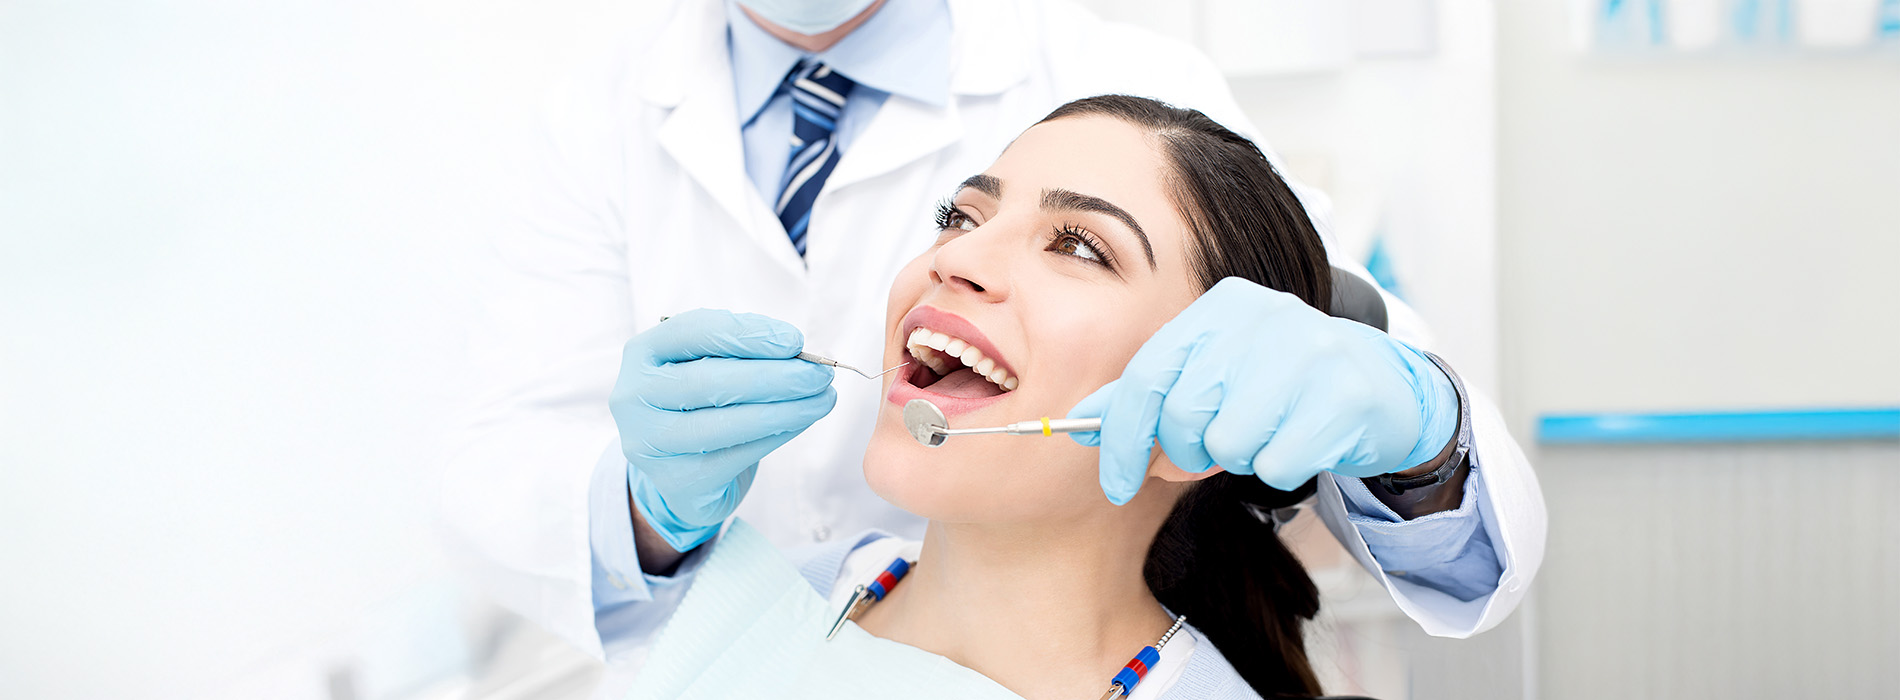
<point>966,384</point>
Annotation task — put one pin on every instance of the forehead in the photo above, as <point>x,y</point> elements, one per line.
<point>1103,157</point>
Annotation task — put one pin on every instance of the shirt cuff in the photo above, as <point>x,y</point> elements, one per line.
<point>617,579</point>
<point>630,606</point>
<point>616,560</point>
<point>1449,551</point>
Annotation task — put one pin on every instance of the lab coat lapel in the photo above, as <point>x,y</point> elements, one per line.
<point>902,131</point>
<point>701,132</point>
<point>702,135</point>
<point>987,44</point>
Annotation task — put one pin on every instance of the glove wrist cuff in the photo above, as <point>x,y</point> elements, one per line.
<point>682,537</point>
<point>1429,448</point>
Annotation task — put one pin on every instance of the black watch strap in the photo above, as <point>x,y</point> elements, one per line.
<point>1396,485</point>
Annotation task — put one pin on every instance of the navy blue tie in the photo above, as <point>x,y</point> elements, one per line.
<point>818,97</point>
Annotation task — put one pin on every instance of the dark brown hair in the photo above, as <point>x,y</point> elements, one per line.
<point>1217,560</point>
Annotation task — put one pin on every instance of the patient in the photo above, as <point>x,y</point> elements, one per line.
<point>1090,232</point>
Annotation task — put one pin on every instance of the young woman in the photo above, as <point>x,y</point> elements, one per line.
<point>1052,267</point>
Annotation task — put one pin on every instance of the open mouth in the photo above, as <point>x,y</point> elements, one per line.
<point>955,366</point>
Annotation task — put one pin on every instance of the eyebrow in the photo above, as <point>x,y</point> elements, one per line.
<point>1067,200</point>
<point>986,184</point>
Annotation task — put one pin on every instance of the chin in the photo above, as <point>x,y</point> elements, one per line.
<point>991,479</point>
<point>922,480</point>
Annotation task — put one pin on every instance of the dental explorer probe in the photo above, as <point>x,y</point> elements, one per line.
<point>828,362</point>
<point>926,422</point>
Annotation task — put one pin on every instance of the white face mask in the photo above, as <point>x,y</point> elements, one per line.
<point>807,16</point>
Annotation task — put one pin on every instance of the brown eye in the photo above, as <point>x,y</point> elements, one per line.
<point>950,217</point>
<point>1069,241</point>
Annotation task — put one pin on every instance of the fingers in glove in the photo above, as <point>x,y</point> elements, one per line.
<point>716,333</point>
<point>715,382</point>
<point>1240,430</point>
<point>709,430</point>
<point>1133,416</point>
<point>1092,407</point>
<point>1186,413</point>
<point>1304,445</point>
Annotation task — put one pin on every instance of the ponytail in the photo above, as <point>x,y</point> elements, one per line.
<point>1223,567</point>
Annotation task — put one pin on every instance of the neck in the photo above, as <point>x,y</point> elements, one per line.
<point>1049,610</point>
<point>812,43</point>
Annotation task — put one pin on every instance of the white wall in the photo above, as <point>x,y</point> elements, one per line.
<point>1713,232</point>
<point>225,229</point>
<point>1683,232</point>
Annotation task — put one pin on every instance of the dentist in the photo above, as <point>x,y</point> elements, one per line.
<point>781,157</point>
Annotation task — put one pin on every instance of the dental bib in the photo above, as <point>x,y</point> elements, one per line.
<point>752,626</point>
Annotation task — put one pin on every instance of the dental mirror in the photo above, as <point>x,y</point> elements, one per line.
<point>926,422</point>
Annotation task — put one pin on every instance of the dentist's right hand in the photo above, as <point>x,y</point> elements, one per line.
<point>701,398</point>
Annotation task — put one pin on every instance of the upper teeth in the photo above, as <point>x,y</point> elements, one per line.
<point>938,350</point>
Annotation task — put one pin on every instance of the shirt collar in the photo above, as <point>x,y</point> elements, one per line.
<point>902,49</point>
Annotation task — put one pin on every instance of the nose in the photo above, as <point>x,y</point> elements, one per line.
<point>974,263</point>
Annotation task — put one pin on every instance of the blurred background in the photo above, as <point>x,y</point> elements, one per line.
<point>1662,233</point>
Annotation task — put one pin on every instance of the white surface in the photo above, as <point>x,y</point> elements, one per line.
<point>1694,234</point>
<point>1693,24</point>
<point>1254,37</point>
<point>223,232</point>
<point>1836,23</point>
<point>1394,27</point>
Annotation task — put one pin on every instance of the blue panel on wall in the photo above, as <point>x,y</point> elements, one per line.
<point>1822,424</point>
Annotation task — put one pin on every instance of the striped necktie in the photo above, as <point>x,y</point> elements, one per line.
<point>818,97</point>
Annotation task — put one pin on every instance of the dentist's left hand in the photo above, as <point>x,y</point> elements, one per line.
<point>1257,382</point>
<point>701,398</point>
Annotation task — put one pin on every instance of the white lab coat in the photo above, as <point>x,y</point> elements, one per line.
<point>646,211</point>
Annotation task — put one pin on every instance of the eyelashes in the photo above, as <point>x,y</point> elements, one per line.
<point>1076,242</point>
<point>949,217</point>
<point>1067,240</point>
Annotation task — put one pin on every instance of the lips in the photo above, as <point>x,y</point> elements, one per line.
<point>957,367</point>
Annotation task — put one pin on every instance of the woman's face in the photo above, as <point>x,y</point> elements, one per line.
<point>1053,267</point>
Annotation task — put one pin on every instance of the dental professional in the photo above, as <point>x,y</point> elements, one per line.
<point>781,158</point>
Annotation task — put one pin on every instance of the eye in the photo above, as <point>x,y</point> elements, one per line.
<point>950,217</point>
<point>1069,240</point>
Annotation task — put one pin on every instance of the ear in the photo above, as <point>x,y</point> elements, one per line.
<point>1160,467</point>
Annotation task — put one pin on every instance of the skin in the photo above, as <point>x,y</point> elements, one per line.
<point>1016,523</point>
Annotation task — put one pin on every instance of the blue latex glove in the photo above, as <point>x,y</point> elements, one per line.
<point>1256,381</point>
<point>701,398</point>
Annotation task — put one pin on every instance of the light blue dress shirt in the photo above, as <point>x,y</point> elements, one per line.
<point>904,50</point>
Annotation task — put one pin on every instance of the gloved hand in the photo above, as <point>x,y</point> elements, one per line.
<point>701,398</point>
<point>1257,382</point>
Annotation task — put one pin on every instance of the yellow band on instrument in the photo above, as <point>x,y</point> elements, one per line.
<point>1046,432</point>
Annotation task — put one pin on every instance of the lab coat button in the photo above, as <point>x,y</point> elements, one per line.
<point>1396,572</point>
<point>820,533</point>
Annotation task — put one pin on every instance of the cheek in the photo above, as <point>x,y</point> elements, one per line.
<point>987,479</point>
<point>1078,350</point>
<point>907,288</point>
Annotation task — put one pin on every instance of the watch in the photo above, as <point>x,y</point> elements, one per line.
<point>1396,485</point>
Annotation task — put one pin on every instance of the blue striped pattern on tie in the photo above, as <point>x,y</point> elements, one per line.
<point>818,97</point>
